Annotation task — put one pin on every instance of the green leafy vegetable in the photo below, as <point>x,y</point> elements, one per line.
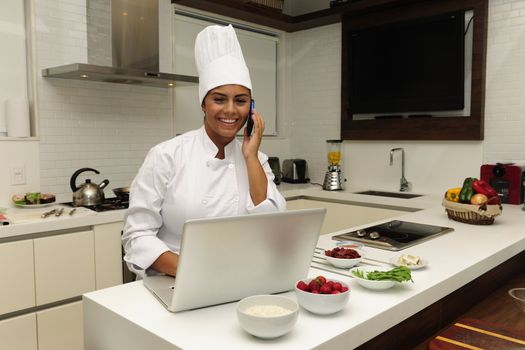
<point>398,274</point>
<point>359,274</point>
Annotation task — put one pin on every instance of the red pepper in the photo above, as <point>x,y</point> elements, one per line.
<point>483,187</point>
<point>493,200</point>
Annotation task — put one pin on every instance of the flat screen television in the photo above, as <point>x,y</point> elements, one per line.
<point>409,66</point>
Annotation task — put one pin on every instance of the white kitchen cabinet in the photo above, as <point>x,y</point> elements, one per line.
<point>260,54</point>
<point>108,255</point>
<point>64,266</point>
<point>61,327</point>
<point>17,289</point>
<point>19,333</point>
<point>340,215</point>
<point>55,268</point>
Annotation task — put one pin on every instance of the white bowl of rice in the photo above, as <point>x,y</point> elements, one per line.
<point>267,316</point>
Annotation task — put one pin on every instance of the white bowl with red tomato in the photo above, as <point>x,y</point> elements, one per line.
<point>344,258</point>
<point>322,296</point>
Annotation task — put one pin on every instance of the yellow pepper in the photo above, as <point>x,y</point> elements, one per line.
<point>452,194</point>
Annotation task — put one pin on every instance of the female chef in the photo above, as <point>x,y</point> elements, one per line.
<point>205,172</point>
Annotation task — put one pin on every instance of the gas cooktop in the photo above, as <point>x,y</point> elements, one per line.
<point>394,235</point>
<point>112,203</point>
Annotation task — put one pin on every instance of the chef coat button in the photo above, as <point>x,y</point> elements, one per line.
<point>236,199</point>
<point>204,201</point>
<point>230,166</point>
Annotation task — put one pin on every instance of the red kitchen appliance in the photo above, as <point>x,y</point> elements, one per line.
<point>507,179</point>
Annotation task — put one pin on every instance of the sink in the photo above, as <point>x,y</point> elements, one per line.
<point>389,194</point>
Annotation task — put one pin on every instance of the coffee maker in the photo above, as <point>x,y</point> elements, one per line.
<point>333,179</point>
<point>508,179</point>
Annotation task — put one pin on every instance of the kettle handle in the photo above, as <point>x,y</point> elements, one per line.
<point>73,180</point>
<point>103,184</point>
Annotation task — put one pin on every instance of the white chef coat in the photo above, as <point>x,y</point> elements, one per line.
<point>181,179</point>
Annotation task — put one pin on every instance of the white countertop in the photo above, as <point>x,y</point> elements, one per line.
<point>28,221</point>
<point>349,196</point>
<point>454,259</point>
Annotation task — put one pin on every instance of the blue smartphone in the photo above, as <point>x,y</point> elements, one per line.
<point>249,123</point>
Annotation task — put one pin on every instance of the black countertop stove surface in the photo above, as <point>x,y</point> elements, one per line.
<point>394,235</point>
<point>112,203</point>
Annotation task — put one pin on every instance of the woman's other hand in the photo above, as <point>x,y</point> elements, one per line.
<point>251,144</point>
<point>166,263</point>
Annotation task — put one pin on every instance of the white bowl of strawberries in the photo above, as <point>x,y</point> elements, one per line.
<point>321,296</point>
<point>344,258</point>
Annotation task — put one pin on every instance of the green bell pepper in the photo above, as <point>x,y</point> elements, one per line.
<point>466,191</point>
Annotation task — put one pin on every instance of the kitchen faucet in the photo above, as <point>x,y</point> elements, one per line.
<point>404,184</point>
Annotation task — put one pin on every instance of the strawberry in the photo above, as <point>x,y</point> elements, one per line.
<point>302,286</point>
<point>315,291</point>
<point>313,286</point>
<point>325,289</point>
<point>343,289</point>
<point>337,286</point>
<point>335,292</point>
<point>321,280</point>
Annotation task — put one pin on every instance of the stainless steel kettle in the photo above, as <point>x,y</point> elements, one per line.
<point>88,193</point>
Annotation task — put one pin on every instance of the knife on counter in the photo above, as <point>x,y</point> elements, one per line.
<point>48,213</point>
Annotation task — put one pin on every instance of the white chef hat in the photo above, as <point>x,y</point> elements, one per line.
<point>219,59</point>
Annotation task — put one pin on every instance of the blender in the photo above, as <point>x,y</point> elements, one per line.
<point>333,179</point>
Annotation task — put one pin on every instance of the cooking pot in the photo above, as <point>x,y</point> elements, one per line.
<point>88,193</point>
<point>122,193</point>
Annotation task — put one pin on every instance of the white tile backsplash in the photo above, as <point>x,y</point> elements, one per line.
<point>505,83</point>
<point>315,94</point>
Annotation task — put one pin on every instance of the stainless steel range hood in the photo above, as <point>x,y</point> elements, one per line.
<point>123,47</point>
<point>83,71</point>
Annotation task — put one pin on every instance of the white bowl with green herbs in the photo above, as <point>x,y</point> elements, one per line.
<point>380,277</point>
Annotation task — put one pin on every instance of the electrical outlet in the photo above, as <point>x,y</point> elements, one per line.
<point>18,175</point>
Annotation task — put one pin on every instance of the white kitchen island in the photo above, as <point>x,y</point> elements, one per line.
<point>130,317</point>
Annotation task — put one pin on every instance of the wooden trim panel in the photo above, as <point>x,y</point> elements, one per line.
<point>243,11</point>
<point>270,18</point>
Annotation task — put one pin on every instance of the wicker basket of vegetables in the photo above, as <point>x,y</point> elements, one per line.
<point>476,203</point>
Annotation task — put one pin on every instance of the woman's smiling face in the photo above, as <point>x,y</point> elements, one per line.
<point>226,109</point>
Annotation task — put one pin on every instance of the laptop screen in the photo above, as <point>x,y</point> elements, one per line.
<point>228,258</point>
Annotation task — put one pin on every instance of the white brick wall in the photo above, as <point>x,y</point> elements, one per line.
<point>60,32</point>
<point>315,94</point>
<point>505,89</point>
<point>109,127</point>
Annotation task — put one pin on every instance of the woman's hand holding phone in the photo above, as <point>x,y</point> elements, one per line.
<point>257,179</point>
<point>252,140</point>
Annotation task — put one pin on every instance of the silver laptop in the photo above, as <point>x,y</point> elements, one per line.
<point>228,258</point>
